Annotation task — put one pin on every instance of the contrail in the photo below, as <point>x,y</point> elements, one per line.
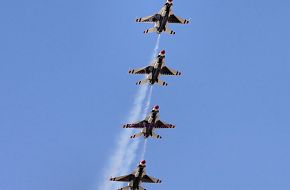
<point>132,149</point>
<point>125,153</point>
<point>144,150</point>
<point>156,47</point>
<point>148,101</point>
<point>147,105</point>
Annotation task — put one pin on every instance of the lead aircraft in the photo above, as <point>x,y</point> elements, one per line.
<point>154,71</point>
<point>151,122</point>
<point>136,178</point>
<point>162,19</point>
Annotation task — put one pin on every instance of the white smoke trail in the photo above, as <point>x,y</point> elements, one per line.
<point>148,101</point>
<point>144,150</point>
<point>145,112</point>
<point>156,47</point>
<point>135,116</point>
<point>133,146</point>
<point>132,149</point>
<point>125,153</point>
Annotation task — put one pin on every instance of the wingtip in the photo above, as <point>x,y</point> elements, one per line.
<point>137,19</point>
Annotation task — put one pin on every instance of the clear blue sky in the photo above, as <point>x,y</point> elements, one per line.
<point>65,92</point>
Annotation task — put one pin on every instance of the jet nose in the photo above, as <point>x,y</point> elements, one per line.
<point>156,107</point>
<point>162,52</point>
<point>143,162</point>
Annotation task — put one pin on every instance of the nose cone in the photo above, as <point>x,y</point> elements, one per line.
<point>156,108</point>
<point>143,162</point>
<point>162,53</point>
<point>170,1</point>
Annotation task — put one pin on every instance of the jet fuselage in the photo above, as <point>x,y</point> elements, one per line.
<point>163,18</point>
<point>148,130</point>
<point>156,70</point>
<point>137,178</point>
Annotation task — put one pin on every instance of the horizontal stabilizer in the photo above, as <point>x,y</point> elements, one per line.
<point>162,83</point>
<point>154,135</point>
<point>169,31</point>
<point>125,188</point>
<point>150,30</point>
<point>142,82</point>
<point>136,135</point>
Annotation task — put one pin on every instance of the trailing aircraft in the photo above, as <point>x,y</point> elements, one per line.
<point>154,71</point>
<point>149,124</point>
<point>136,178</point>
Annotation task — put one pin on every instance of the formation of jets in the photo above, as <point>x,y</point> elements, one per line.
<point>153,72</point>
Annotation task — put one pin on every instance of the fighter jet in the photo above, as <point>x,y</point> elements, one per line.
<point>151,122</point>
<point>154,71</point>
<point>136,178</point>
<point>162,19</point>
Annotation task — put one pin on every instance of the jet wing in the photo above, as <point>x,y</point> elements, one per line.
<point>167,71</point>
<point>138,125</point>
<point>148,19</point>
<point>178,20</point>
<point>160,124</point>
<point>148,179</point>
<point>125,178</point>
<point>145,70</point>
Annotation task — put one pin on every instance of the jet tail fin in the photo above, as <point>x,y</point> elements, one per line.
<point>169,31</point>
<point>162,83</point>
<point>136,135</point>
<point>150,30</point>
<point>154,135</point>
<point>142,82</point>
